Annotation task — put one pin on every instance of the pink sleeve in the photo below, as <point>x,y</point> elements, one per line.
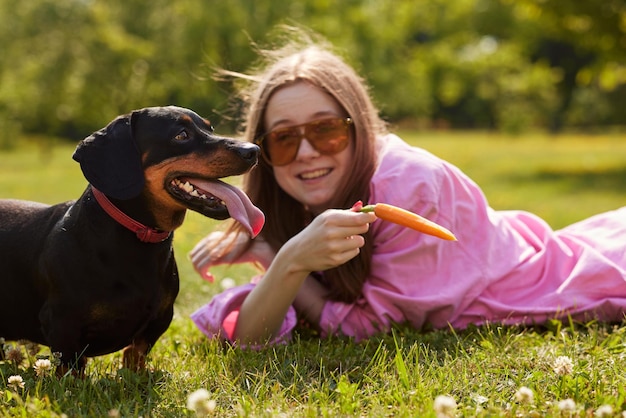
<point>358,320</point>
<point>217,319</point>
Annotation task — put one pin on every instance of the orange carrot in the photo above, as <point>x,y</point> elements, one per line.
<point>409,219</point>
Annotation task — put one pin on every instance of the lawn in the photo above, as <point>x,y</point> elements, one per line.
<point>573,370</point>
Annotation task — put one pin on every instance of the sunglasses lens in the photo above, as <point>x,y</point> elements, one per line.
<point>326,136</point>
<point>281,146</point>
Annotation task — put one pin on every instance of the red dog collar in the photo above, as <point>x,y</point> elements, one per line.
<point>144,233</point>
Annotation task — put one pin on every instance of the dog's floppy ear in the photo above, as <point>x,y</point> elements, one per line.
<point>110,160</point>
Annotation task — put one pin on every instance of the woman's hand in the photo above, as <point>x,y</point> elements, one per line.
<point>218,248</point>
<point>332,239</point>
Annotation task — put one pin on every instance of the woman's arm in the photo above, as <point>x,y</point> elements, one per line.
<point>310,300</point>
<point>330,240</point>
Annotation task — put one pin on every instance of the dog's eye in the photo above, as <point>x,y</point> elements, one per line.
<point>182,135</point>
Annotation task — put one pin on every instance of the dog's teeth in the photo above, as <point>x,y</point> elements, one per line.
<point>187,187</point>
<point>195,193</point>
<point>203,197</point>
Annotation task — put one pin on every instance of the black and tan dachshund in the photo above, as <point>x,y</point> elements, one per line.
<point>97,275</point>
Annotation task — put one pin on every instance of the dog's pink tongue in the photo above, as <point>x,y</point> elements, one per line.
<point>238,203</point>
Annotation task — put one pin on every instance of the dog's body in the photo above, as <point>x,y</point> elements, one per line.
<point>79,281</point>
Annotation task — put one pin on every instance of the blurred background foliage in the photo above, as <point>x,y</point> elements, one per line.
<point>67,67</point>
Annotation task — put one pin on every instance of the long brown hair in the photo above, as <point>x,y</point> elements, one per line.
<point>306,59</point>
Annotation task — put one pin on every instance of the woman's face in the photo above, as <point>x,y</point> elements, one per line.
<point>312,178</point>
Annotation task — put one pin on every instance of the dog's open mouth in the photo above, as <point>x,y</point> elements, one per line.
<point>218,200</point>
<point>190,193</point>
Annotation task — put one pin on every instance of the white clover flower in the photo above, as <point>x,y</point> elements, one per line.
<point>14,354</point>
<point>56,358</point>
<point>16,382</point>
<point>604,411</point>
<point>567,405</point>
<point>444,406</point>
<point>479,399</point>
<point>42,366</point>
<point>524,395</point>
<point>227,283</point>
<point>563,365</point>
<point>199,401</point>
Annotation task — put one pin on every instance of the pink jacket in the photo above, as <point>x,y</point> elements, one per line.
<point>506,267</point>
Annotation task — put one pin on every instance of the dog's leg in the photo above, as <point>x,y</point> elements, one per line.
<point>134,357</point>
<point>62,329</point>
<point>76,369</point>
<point>71,363</point>
<point>135,354</point>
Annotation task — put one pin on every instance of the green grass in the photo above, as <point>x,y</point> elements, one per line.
<point>563,179</point>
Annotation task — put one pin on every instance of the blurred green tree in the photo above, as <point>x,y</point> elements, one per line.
<point>69,66</point>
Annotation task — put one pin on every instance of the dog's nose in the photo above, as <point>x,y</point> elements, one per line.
<point>249,152</point>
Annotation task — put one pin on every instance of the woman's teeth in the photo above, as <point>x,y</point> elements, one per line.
<point>315,174</point>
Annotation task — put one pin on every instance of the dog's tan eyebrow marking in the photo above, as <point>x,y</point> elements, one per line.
<point>187,118</point>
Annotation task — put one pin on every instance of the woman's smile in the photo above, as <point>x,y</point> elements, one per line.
<point>315,174</point>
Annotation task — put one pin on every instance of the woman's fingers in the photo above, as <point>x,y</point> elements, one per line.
<point>332,239</point>
<point>217,248</point>
<point>202,253</point>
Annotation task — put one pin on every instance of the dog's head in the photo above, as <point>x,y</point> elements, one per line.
<point>171,156</point>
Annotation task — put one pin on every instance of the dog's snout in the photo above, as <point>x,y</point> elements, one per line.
<point>249,152</point>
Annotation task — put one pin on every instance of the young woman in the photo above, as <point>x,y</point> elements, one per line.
<point>324,148</point>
